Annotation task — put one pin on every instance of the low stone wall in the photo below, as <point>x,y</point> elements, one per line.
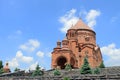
<point>72,77</point>
<point>26,78</point>
<point>109,73</point>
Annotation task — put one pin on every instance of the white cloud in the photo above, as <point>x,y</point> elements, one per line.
<point>33,66</point>
<point>68,20</point>
<point>15,62</point>
<point>40,54</point>
<point>25,59</point>
<point>113,55</point>
<point>91,17</point>
<point>30,46</point>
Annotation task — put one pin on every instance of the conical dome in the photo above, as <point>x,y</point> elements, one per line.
<point>81,25</point>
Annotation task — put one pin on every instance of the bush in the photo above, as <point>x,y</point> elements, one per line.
<point>66,78</point>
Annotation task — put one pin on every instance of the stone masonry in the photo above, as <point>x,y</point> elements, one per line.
<point>80,42</point>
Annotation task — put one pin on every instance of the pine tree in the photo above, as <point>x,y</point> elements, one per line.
<point>85,67</point>
<point>1,65</point>
<point>68,67</point>
<point>38,71</point>
<point>102,65</point>
<point>17,69</point>
<point>1,68</point>
<point>56,72</point>
<point>96,71</point>
<point>1,71</point>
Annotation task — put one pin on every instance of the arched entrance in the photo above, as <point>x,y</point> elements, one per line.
<point>61,62</point>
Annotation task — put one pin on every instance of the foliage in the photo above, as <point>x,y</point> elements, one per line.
<point>37,72</point>
<point>1,65</point>
<point>97,71</point>
<point>1,68</point>
<point>56,72</point>
<point>68,67</point>
<point>66,78</point>
<point>1,71</point>
<point>85,67</point>
<point>17,69</point>
<point>102,65</point>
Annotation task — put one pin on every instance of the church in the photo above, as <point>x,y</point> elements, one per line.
<point>80,42</point>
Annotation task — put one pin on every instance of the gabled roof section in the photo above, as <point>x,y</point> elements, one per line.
<point>80,25</point>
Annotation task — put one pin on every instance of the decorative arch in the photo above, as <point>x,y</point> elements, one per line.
<point>61,61</point>
<point>72,62</point>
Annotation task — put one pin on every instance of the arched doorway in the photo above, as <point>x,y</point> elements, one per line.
<point>61,62</point>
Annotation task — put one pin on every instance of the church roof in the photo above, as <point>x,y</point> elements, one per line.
<point>80,25</point>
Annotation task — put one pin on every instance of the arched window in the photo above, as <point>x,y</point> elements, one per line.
<point>72,34</point>
<point>87,38</point>
<point>86,53</point>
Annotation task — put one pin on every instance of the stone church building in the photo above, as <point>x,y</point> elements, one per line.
<point>80,42</point>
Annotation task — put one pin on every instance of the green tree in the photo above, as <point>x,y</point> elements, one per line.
<point>37,72</point>
<point>68,67</point>
<point>17,69</point>
<point>102,65</point>
<point>97,71</point>
<point>66,78</point>
<point>1,71</point>
<point>85,67</point>
<point>1,64</point>
<point>1,67</point>
<point>56,72</point>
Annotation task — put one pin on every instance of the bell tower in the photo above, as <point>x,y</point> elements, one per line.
<point>80,42</point>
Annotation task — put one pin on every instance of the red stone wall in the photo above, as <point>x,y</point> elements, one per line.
<point>79,43</point>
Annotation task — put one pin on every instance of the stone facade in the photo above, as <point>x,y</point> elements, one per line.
<point>80,42</point>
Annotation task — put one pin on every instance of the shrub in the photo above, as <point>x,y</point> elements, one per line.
<point>66,78</point>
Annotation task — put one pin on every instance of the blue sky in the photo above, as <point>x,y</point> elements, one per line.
<point>29,29</point>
